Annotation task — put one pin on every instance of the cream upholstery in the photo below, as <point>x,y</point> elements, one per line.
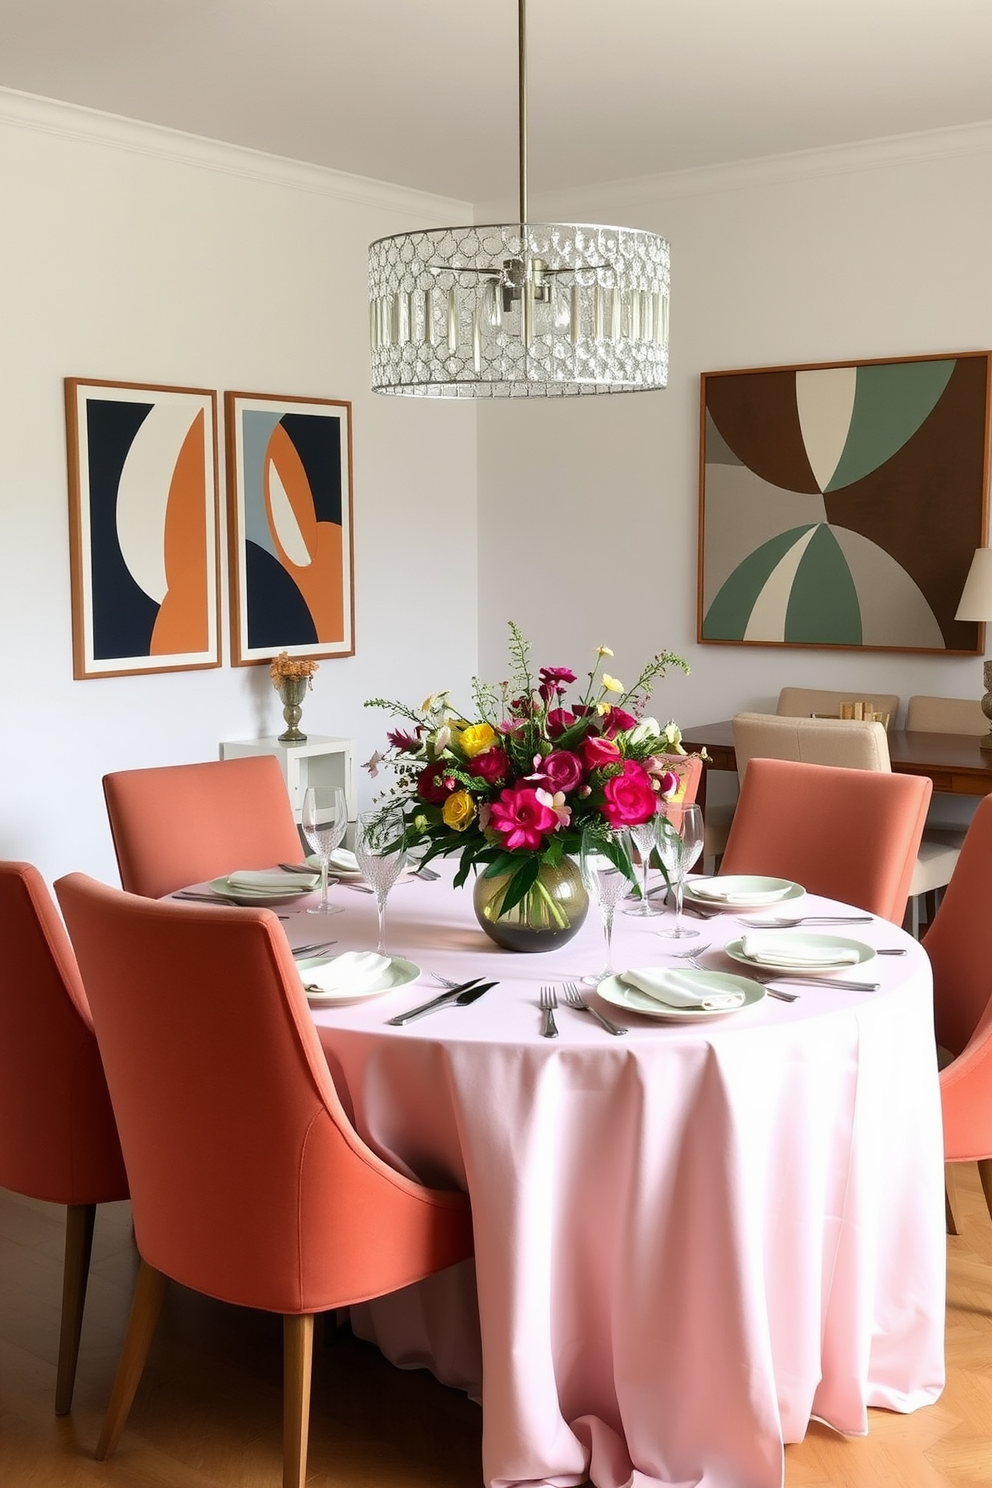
<point>801,702</point>
<point>945,715</point>
<point>860,746</point>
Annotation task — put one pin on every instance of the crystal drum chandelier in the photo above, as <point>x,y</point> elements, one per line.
<point>519,310</point>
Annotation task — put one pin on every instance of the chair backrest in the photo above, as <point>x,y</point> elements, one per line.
<point>944,715</point>
<point>248,1182</point>
<point>180,824</point>
<point>815,741</point>
<point>58,1138</point>
<point>848,834</point>
<point>802,702</point>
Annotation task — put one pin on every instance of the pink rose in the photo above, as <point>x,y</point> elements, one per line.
<point>616,719</point>
<point>629,798</point>
<point>490,766</point>
<point>559,719</point>
<point>522,819</point>
<point>563,770</point>
<point>598,751</point>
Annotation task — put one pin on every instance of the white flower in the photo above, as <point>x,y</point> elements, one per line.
<point>648,728</point>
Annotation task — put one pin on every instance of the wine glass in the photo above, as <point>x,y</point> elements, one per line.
<point>644,836</point>
<point>680,841</point>
<point>324,820</point>
<point>381,855</point>
<point>607,870</point>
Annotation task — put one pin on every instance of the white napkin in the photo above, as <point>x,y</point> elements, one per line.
<point>351,973</point>
<point>713,890</point>
<point>345,860</point>
<point>269,880</point>
<point>678,989</point>
<point>772,950</point>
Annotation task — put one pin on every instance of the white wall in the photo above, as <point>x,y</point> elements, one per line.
<point>134,254</point>
<point>588,507</point>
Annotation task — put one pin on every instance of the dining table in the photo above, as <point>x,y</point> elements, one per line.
<point>692,1238</point>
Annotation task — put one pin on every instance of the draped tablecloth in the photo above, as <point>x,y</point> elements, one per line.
<point>690,1240</point>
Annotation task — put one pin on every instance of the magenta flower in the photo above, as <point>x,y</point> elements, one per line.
<point>559,719</point>
<point>563,770</point>
<point>553,682</point>
<point>490,766</point>
<point>434,784</point>
<point>522,820</point>
<point>629,798</point>
<point>615,719</point>
<point>400,739</point>
<point>597,751</point>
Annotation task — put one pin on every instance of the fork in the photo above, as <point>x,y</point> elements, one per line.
<point>548,1002</point>
<point>574,999</point>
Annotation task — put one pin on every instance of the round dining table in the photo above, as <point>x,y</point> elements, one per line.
<point>691,1239</point>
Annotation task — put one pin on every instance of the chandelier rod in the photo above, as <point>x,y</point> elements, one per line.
<point>522,103</point>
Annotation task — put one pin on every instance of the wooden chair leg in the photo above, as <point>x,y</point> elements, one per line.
<point>79,1221</point>
<point>297,1364</point>
<point>985,1173</point>
<point>149,1294</point>
<point>949,1224</point>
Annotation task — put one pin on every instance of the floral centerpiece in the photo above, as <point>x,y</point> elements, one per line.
<point>510,789</point>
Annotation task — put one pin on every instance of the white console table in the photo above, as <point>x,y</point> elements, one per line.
<point>322,761</point>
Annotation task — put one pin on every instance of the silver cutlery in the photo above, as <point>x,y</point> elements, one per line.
<point>783,922</point>
<point>548,1002</point>
<point>313,950</point>
<point>574,999</point>
<point>811,979</point>
<point>299,868</point>
<point>690,957</point>
<point>890,950</point>
<point>451,995</point>
<point>213,899</point>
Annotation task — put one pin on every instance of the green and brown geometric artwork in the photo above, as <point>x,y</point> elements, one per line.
<point>840,505</point>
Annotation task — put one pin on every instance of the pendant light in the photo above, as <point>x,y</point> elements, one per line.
<point>521,309</point>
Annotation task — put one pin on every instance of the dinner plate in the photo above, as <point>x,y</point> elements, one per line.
<point>632,1000</point>
<point>793,941</point>
<point>750,891</point>
<point>347,875</point>
<point>240,894</point>
<point>397,974</point>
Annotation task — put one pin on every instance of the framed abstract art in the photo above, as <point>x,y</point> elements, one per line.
<point>143,527</point>
<point>290,526</point>
<point>841,503</point>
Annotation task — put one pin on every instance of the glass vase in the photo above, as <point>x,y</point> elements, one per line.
<point>547,916</point>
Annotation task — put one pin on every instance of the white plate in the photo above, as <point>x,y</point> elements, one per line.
<point>238,894</point>
<point>794,940</point>
<point>632,1000</point>
<point>396,974</point>
<point>750,891</point>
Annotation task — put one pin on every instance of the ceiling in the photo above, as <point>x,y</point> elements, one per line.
<point>423,92</point>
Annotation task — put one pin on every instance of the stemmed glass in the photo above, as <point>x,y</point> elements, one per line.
<point>324,820</point>
<point>606,863</point>
<point>644,836</point>
<point>381,855</point>
<point>680,841</point>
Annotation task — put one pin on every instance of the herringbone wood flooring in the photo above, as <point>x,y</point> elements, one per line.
<point>207,1414</point>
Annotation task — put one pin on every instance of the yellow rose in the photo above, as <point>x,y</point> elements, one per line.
<point>611,684</point>
<point>458,810</point>
<point>475,739</point>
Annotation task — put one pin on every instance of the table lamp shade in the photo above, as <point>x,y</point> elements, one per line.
<point>976,597</point>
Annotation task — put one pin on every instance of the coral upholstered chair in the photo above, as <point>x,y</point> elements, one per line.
<point>248,1182</point>
<point>847,834</point>
<point>58,1139</point>
<point>180,824</point>
<point>957,944</point>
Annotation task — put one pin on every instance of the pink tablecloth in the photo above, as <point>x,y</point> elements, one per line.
<point>689,1240</point>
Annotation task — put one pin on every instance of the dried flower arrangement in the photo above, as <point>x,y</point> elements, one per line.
<point>284,666</point>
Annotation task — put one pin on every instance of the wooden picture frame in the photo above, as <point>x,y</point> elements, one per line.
<point>144,554</point>
<point>841,503</point>
<point>289,526</point>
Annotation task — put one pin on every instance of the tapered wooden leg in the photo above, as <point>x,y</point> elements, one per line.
<point>297,1362</point>
<point>149,1294</point>
<point>985,1173</point>
<point>949,1224</point>
<point>79,1221</point>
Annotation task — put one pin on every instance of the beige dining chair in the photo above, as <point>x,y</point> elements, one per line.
<point>804,702</point>
<point>945,715</point>
<point>856,745</point>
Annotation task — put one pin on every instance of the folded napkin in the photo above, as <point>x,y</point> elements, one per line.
<point>344,860</point>
<point>682,989</point>
<point>351,973</point>
<point>773,949</point>
<point>268,880</point>
<point>712,889</point>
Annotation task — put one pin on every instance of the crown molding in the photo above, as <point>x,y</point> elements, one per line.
<point>746,175</point>
<point>91,126</point>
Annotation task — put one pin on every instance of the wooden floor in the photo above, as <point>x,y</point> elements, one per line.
<point>208,1410</point>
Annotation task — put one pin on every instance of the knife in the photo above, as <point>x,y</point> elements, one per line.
<point>464,993</point>
<point>814,980</point>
